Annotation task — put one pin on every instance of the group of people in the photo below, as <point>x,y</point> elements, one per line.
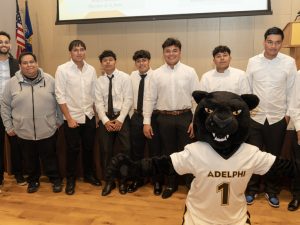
<point>149,107</point>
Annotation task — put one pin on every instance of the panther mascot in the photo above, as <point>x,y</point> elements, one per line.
<point>220,160</point>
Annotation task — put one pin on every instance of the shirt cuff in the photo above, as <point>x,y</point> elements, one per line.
<point>147,121</point>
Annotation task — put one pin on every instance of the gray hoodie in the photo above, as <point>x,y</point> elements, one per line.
<point>29,107</point>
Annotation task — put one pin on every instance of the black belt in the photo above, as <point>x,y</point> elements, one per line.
<point>112,117</point>
<point>173,112</point>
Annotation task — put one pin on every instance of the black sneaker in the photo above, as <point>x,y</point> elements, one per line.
<point>272,199</point>
<point>33,187</point>
<point>250,197</point>
<point>20,180</point>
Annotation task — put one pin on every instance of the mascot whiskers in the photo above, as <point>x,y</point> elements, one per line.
<point>220,160</point>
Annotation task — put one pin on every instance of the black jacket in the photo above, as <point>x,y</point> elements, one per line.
<point>13,65</point>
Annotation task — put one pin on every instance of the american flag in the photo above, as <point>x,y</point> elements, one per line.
<point>19,32</point>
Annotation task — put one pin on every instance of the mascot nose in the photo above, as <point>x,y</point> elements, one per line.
<point>222,122</point>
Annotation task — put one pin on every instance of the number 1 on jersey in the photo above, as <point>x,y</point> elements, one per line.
<point>224,189</point>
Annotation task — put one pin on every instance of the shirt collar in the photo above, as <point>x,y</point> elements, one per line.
<point>75,66</point>
<point>114,73</point>
<point>175,66</point>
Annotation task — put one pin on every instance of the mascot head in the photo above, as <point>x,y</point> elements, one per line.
<point>222,119</point>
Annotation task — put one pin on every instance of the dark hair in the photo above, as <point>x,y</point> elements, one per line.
<point>3,33</point>
<point>221,49</point>
<point>76,43</point>
<point>170,42</point>
<point>24,54</point>
<point>274,30</point>
<point>141,54</point>
<point>107,53</point>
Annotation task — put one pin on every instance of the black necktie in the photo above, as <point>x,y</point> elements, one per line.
<point>141,94</point>
<point>110,108</point>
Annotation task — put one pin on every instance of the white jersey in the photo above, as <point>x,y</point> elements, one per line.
<point>217,195</point>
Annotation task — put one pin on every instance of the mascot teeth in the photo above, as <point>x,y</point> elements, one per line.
<point>220,139</point>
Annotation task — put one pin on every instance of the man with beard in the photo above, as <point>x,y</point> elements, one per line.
<point>8,67</point>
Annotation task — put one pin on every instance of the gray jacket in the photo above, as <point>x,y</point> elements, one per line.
<point>29,108</point>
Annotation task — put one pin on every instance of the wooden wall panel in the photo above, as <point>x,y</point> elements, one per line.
<point>244,35</point>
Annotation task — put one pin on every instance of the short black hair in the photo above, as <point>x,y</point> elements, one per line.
<point>274,30</point>
<point>221,49</point>
<point>24,54</point>
<point>171,41</point>
<point>3,33</point>
<point>76,43</point>
<point>141,54</point>
<point>107,53</point>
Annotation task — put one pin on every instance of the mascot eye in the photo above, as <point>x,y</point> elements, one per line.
<point>237,112</point>
<point>208,110</point>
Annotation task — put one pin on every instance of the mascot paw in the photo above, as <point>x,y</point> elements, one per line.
<point>122,167</point>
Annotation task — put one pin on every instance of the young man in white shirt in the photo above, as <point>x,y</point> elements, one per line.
<point>140,79</point>
<point>271,76</point>
<point>294,112</point>
<point>74,88</point>
<point>170,91</point>
<point>114,99</point>
<point>224,77</point>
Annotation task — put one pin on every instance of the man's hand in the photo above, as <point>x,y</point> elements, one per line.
<point>287,119</point>
<point>117,125</point>
<point>72,123</point>
<point>191,130</point>
<point>110,126</point>
<point>11,133</point>
<point>148,132</point>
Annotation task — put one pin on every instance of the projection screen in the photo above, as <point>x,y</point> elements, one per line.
<point>92,11</point>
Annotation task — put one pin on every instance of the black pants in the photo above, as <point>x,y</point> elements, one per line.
<point>2,137</point>
<point>139,141</point>
<point>268,138</point>
<point>44,151</point>
<point>295,188</point>
<point>108,141</point>
<point>83,137</point>
<point>174,136</point>
<point>16,156</point>
<point>15,151</point>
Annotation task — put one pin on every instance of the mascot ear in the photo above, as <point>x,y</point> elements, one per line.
<point>251,100</point>
<point>199,95</point>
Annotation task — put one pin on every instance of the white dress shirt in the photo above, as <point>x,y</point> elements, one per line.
<point>170,89</point>
<point>272,81</point>
<point>75,88</point>
<point>294,109</point>
<point>121,93</point>
<point>135,81</point>
<point>233,80</point>
<point>4,76</point>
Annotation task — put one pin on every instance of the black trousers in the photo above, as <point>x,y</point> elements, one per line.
<point>2,137</point>
<point>268,138</point>
<point>139,141</point>
<point>16,156</point>
<point>44,151</point>
<point>83,137</point>
<point>174,136</point>
<point>295,187</point>
<point>15,151</point>
<point>109,140</point>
